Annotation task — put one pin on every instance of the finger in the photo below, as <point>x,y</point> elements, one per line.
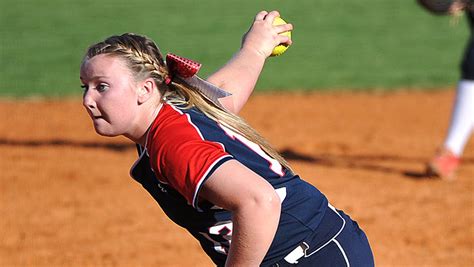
<point>261,15</point>
<point>271,16</point>
<point>284,27</point>
<point>285,40</point>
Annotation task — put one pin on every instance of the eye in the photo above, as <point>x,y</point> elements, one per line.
<point>102,87</point>
<point>84,87</point>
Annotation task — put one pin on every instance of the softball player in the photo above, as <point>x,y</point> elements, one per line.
<point>209,171</point>
<point>448,157</point>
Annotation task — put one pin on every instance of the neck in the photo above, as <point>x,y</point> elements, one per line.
<point>144,124</point>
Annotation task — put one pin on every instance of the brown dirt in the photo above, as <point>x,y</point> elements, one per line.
<point>66,198</point>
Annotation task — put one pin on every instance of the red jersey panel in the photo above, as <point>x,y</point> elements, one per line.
<point>179,154</point>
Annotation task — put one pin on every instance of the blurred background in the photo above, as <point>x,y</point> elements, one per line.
<point>338,45</point>
<point>65,195</point>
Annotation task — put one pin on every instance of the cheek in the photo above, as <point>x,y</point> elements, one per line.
<point>116,122</point>
<point>122,113</point>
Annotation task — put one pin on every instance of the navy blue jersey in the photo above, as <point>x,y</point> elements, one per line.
<point>303,206</point>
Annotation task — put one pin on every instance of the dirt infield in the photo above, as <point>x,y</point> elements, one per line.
<point>66,198</point>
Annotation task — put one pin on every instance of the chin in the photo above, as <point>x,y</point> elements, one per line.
<point>105,132</point>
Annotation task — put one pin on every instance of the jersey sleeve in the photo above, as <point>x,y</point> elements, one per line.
<point>183,158</point>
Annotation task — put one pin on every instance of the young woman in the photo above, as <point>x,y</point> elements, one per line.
<point>210,171</point>
<point>445,163</point>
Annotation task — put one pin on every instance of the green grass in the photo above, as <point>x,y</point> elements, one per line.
<point>363,44</point>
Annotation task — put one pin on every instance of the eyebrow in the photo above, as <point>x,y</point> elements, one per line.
<point>94,77</point>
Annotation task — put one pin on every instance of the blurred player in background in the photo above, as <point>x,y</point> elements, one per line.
<point>448,157</point>
<point>210,171</point>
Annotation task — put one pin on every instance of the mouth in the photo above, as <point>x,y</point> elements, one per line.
<point>96,117</point>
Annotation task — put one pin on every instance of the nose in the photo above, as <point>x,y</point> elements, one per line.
<point>88,101</point>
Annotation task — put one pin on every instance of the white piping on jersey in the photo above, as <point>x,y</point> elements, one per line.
<point>202,179</point>
<point>142,152</point>
<point>143,148</point>
<point>195,127</point>
<point>189,120</point>
<point>301,250</point>
<point>281,192</point>
<point>192,124</point>
<point>275,165</point>
<point>343,252</point>
<point>334,237</point>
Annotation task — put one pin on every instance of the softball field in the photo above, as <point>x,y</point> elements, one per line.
<point>66,198</point>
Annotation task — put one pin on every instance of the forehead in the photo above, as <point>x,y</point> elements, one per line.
<point>103,66</point>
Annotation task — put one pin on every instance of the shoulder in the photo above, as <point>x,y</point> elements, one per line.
<point>177,129</point>
<point>171,122</point>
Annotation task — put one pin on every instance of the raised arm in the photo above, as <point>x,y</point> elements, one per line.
<point>255,208</point>
<point>239,76</point>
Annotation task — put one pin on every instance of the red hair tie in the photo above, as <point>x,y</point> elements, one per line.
<point>183,67</point>
<point>187,69</point>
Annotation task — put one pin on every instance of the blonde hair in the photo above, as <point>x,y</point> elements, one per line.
<point>144,59</point>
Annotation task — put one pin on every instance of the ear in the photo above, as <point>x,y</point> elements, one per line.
<point>146,90</point>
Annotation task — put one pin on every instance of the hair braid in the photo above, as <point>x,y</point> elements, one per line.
<point>142,55</point>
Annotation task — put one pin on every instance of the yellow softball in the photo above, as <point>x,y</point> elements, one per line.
<point>280,49</point>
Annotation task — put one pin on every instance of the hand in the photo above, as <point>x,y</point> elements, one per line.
<point>457,7</point>
<point>263,36</point>
<point>241,73</point>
